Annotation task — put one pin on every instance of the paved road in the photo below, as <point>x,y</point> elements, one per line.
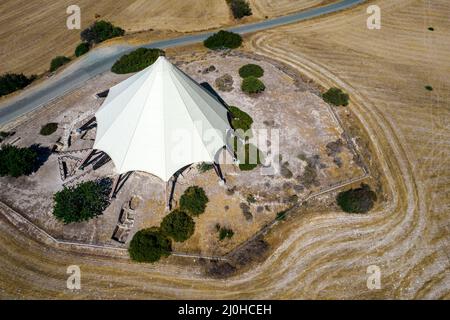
<point>101,60</point>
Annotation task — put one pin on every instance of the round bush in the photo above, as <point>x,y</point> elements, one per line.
<point>16,161</point>
<point>251,70</point>
<point>222,40</point>
<point>252,85</point>
<point>58,62</point>
<point>149,245</point>
<point>249,157</point>
<point>359,200</point>
<point>240,119</point>
<point>82,202</point>
<point>193,201</point>
<point>11,82</point>
<point>48,129</point>
<point>178,225</point>
<point>100,31</point>
<point>136,60</point>
<point>81,49</point>
<point>336,97</point>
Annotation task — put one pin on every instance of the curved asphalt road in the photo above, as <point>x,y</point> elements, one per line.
<point>101,60</point>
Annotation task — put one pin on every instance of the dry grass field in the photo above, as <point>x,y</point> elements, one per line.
<point>274,8</point>
<point>322,254</point>
<point>34,32</point>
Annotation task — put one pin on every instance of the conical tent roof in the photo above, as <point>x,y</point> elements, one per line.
<point>160,120</point>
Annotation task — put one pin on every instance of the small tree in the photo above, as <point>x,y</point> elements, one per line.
<point>252,85</point>
<point>81,49</point>
<point>58,62</point>
<point>251,70</point>
<point>240,8</point>
<point>16,161</point>
<point>11,82</point>
<point>178,225</point>
<point>100,31</point>
<point>240,119</point>
<point>136,60</point>
<point>82,202</point>
<point>360,200</point>
<point>225,233</point>
<point>48,129</point>
<point>223,40</point>
<point>193,201</point>
<point>149,245</point>
<point>336,97</point>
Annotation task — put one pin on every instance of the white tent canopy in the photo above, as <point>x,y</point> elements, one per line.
<point>159,121</point>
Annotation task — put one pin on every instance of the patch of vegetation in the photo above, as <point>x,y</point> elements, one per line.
<point>100,31</point>
<point>136,60</point>
<point>82,202</point>
<point>240,119</point>
<point>336,97</point>
<point>225,233</point>
<point>252,85</point>
<point>48,129</point>
<point>5,134</point>
<point>309,176</point>
<point>251,70</point>
<point>178,225</point>
<point>16,162</point>
<point>281,215</point>
<point>223,40</point>
<point>58,62</point>
<point>149,245</point>
<point>204,166</point>
<point>193,201</point>
<point>429,88</point>
<point>251,198</point>
<point>81,49</point>
<point>11,82</point>
<point>430,29</point>
<point>225,83</point>
<point>360,200</point>
<point>240,8</point>
<point>250,158</point>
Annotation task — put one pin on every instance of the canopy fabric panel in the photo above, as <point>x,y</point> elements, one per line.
<point>160,120</point>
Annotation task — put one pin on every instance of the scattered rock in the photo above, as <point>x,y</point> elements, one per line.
<point>225,83</point>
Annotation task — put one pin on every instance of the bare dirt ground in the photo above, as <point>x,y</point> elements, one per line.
<point>289,110</point>
<point>323,253</point>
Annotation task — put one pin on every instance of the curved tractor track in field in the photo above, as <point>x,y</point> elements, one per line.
<point>320,255</point>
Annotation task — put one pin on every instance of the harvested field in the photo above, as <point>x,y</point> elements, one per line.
<point>274,8</point>
<point>319,252</point>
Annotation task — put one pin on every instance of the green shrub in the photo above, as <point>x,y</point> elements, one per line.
<point>252,85</point>
<point>58,62</point>
<point>281,215</point>
<point>336,97</point>
<point>222,40</point>
<point>149,245</point>
<point>100,31</point>
<point>225,233</point>
<point>136,60</point>
<point>11,82</point>
<point>81,49</point>
<point>82,202</point>
<point>249,157</point>
<point>359,200</point>
<point>429,88</point>
<point>204,166</point>
<point>240,8</point>
<point>16,161</point>
<point>48,129</point>
<point>178,225</point>
<point>240,119</point>
<point>251,70</point>
<point>193,201</point>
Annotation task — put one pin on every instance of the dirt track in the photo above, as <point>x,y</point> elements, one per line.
<point>321,255</point>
